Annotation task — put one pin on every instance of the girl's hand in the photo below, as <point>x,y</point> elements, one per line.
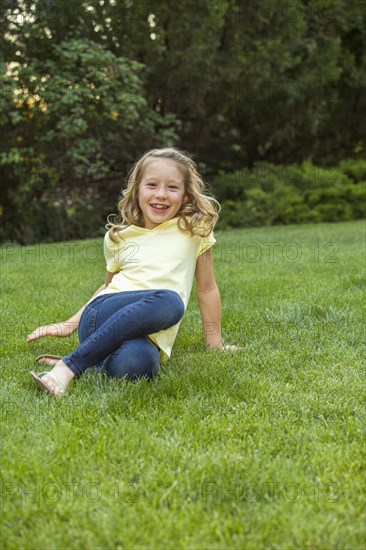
<point>223,348</point>
<point>232,348</point>
<point>57,329</point>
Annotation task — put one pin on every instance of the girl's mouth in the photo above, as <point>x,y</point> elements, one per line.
<point>159,207</point>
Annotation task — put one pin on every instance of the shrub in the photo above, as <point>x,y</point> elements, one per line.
<point>277,194</point>
<point>355,169</point>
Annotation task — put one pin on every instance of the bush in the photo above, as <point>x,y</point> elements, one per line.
<point>276,194</point>
<point>88,110</point>
<point>355,169</point>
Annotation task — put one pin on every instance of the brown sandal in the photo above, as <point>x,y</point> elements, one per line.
<point>42,359</point>
<point>44,387</point>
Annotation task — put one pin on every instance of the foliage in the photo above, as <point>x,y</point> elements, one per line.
<point>87,87</point>
<point>355,169</point>
<point>88,123</point>
<point>274,194</point>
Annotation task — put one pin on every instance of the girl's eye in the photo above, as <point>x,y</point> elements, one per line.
<point>173,187</point>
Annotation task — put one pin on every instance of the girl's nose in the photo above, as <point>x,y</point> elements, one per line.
<point>160,192</point>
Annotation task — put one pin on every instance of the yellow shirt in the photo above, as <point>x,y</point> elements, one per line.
<point>148,259</point>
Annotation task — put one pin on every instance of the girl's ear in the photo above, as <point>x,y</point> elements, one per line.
<point>186,199</point>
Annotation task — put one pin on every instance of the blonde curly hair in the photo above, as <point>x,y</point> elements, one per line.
<point>198,216</point>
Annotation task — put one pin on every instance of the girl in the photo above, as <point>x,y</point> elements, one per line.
<point>164,240</point>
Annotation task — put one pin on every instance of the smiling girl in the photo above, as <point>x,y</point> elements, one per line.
<point>163,242</point>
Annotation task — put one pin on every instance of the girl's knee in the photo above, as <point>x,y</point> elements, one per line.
<point>174,304</point>
<point>132,368</point>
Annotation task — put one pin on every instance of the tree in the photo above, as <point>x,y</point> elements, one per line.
<point>89,86</point>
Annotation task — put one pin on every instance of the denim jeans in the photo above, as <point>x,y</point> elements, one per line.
<point>113,332</point>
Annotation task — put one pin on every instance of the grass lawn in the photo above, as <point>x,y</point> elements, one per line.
<point>262,448</point>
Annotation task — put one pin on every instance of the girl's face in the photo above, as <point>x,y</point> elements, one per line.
<point>161,192</point>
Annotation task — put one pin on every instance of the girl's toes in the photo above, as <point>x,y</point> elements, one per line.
<point>53,388</point>
<point>49,383</point>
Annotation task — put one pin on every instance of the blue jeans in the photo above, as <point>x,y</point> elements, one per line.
<point>113,332</point>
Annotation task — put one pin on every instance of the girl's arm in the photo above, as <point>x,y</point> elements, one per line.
<point>66,327</point>
<point>209,301</point>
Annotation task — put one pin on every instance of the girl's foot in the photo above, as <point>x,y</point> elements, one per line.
<point>48,359</point>
<point>56,381</point>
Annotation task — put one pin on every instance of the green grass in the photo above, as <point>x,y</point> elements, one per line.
<point>262,448</point>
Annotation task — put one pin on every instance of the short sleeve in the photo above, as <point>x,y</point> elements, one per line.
<point>205,244</point>
<point>111,254</point>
